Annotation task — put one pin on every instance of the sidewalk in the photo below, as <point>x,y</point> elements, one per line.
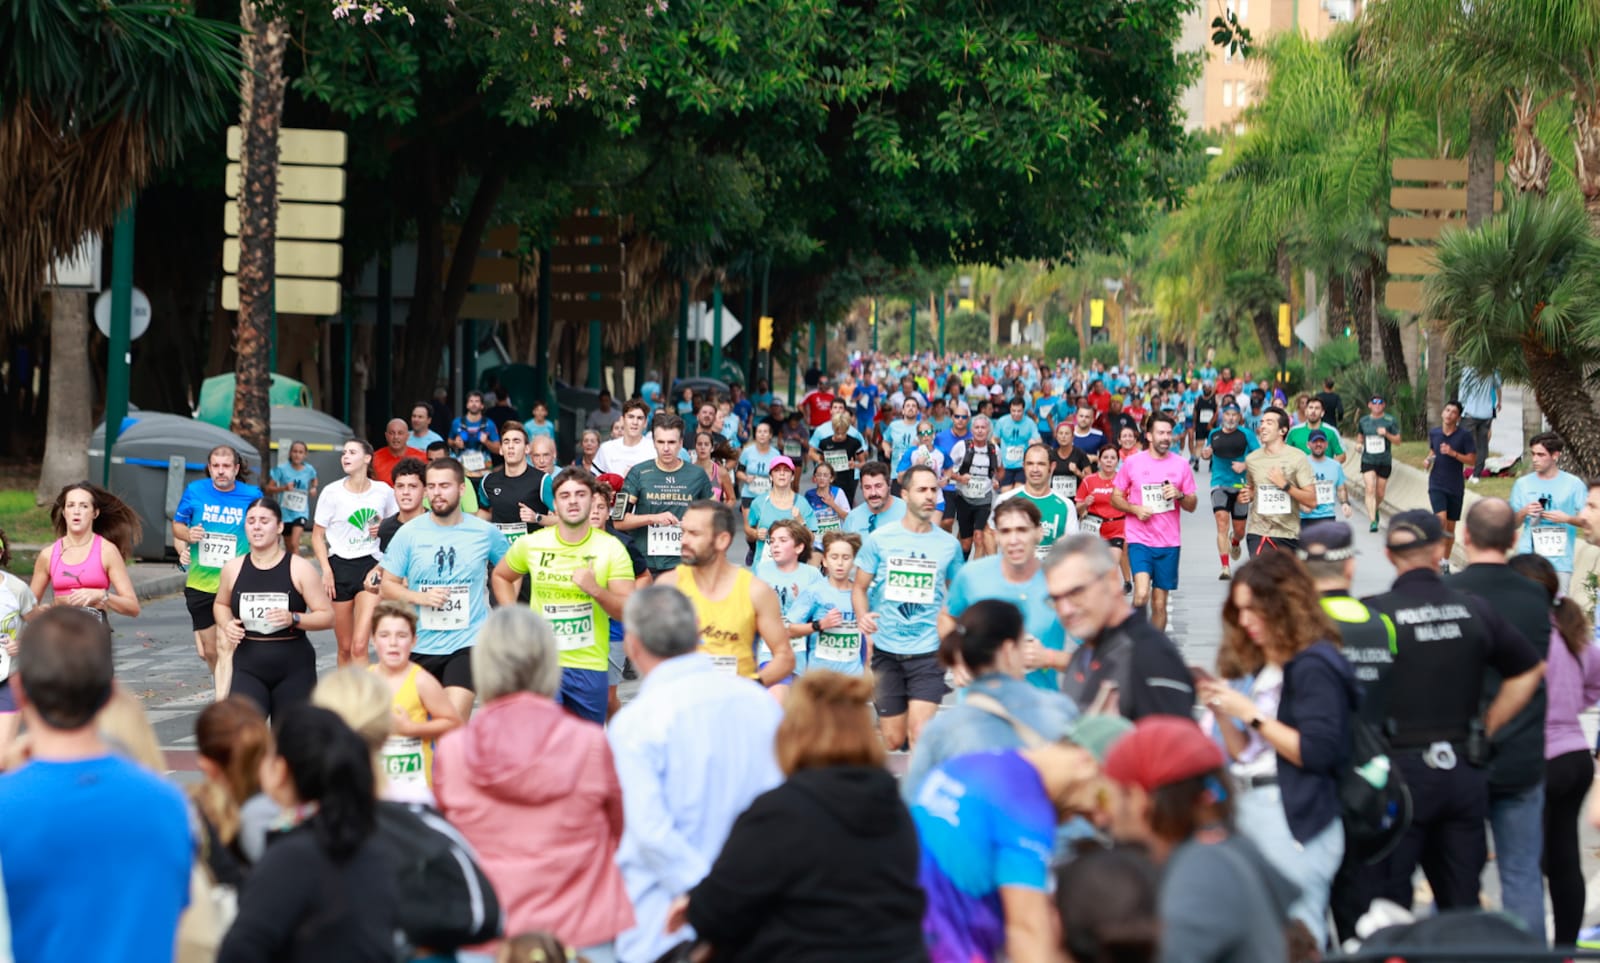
<point>151,580</point>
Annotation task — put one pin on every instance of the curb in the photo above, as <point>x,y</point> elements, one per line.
<point>156,585</point>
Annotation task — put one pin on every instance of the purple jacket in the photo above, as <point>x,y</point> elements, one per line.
<point>1572,685</point>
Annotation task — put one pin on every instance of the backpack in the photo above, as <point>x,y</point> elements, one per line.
<point>446,901</point>
<point>1374,802</point>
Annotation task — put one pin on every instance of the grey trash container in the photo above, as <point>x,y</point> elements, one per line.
<point>323,434</point>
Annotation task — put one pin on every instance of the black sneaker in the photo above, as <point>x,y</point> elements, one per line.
<point>628,671</point>
<point>1127,588</point>
<point>1224,576</point>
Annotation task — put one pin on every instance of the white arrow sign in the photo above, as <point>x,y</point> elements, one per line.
<point>702,324</point>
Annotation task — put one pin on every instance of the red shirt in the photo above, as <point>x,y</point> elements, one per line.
<point>1094,498</point>
<point>1101,400</point>
<point>384,460</point>
<point>818,406</point>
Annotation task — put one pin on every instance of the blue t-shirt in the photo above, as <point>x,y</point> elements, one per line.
<point>1091,443</point>
<point>1222,473</point>
<point>300,480</point>
<point>985,822</point>
<point>763,513</point>
<point>1013,437</point>
<point>911,577</point>
<point>1327,471</point>
<point>827,519</point>
<point>793,591</point>
<point>985,579</point>
<point>902,437</point>
<point>1563,493</point>
<point>757,465</point>
<point>476,434</point>
<point>96,855</point>
<point>831,647</point>
<point>1447,474</point>
<point>534,429</point>
<point>862,522</point>
<point>427,554</point>
<point>866,405</point>
<point>220,516</point>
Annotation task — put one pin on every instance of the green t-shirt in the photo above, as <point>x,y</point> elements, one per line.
<point>1299,435</point>
<point>582,627</point>
<point>1054,515</point>
<point>649,491</point>
<point>1375,448</point>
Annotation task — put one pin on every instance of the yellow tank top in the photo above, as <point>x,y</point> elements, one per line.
<point>408,759</point>
<point>728,627</point>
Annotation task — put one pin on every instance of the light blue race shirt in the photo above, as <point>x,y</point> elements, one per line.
<point>862,522</point>
<point>457,558</point>
<point>911,575</point>
<point>1563,493</point>
<point>984,579</point>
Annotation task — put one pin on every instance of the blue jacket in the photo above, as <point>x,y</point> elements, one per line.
<point>962,729</point>
<point>1319,698</point>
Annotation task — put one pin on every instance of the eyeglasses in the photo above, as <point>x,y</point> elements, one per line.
<point>924,434</point>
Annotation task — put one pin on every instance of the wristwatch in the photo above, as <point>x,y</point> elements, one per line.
<point>294,618</point>
<point>1257,722</point>
<point>816,626</point>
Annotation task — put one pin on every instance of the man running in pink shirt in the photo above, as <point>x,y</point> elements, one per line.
<point>1150,486</point>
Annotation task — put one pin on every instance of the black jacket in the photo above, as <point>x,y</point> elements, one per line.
<point>1319,698</point>
<point>1143,664</point>
<point>1518,761</point>
<point>822,868</point>
<point>298,906</point>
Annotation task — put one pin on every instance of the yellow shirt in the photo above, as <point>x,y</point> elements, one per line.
<point>407,759</point>
<point>727,627</point>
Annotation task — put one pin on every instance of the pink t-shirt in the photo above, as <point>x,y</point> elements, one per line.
<point>1139,480</point>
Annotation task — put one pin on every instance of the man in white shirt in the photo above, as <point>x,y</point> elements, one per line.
<point>619,455</point>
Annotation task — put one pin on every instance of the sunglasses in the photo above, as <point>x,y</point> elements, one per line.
<point>924,434</point>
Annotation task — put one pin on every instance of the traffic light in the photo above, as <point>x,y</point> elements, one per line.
<point>1285,334</point>
<point>1097,313</point>
<point>764,339</point>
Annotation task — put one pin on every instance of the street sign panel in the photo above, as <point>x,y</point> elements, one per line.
<point>306,259</point>
<point>291,295</point>
<point>299,145</point>
<point>323,185</point>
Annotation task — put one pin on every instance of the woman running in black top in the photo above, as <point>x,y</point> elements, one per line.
<point>266,602</point>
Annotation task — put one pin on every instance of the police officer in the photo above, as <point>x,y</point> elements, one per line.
<point>1445,640</point>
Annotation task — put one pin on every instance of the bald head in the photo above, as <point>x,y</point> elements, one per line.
<point>395,434</point>
<point>1491,525</point>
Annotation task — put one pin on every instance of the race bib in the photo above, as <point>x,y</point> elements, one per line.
<point>1206,415</point>
<point>473,460</point>
<point>253,609</point>
<point>1041,551</point>
<point>791,449</point>
<point>294,501</point>
<point>839,644</point>
<point>402,760</point>
<point>452,614</point>
<point>664,541</point>
<point>1272,500</point>
<point>1376,444</point>
<point>1324,492</point>
<point>725,664</point>
<point>757,485</point>
<point>1550,541</point>
<point>975,489</point>
<point>911,580</point>
<point>216,549</point>
<point>827,521</point>
<point>1014,454</point>
<point>1090,524</point>
<point>512,530</point>
<point>572,622</point>
<point>1065,485</point>
<point>1152,497</point>
<point>619,508</point>
<point>838,460</point>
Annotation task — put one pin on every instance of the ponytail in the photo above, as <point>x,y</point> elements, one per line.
<point>979,633</point>
<point>1565,613</point>
<point>330,767</point>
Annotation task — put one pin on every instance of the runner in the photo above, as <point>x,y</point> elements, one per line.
<point>878,507</point>
<point>843,450</point>
<point>659,492</point>
<point>589,447</point>
<point>837,646</point>
<point>512,495</point>
<point>617,456</point>
<point>540,424</point>
<point>294,485</point>
<point>1450,449</point>
<point>345,540</point>
<point>17,601</point>
<point>600,518</point>
<point>828,502</point>
<point>1014,575</point>
<point>902,577</point>
<point>578,579</point>
<point>1069,464</point>
<point>783,501</point>
<point>473,438</point>
<point>733,606</point>
<point>1300,437</point>
<point>1097,516</point>
<point>975,468</point>
<point>394,452</point>
<point>1014,432</point>
<point>754,463</point>
<point>1085,436</point>
<point>266,601</point>
<point>422,433</point>
<point>440,563</point>
<point>1058,516</point>
<point>789,545</point>
<point>84,567</point>
<point>1548,501</point>
<point>1163,482</point>
<point>1278,483</point>
<point>210,521</point>
<point>409,498</point>
<point>901,436</point>
<point>1379,433</point>
<point>1226,448</point>
<point>469,493</point>
<point>422,712</point>
<point>1332,495</point>
<point>1202,420</point>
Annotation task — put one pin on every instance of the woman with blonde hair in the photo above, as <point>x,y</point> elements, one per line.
<point>364,702</point>
<point>825,865</point>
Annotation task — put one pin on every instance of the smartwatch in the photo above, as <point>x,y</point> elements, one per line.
<point>294,618</point>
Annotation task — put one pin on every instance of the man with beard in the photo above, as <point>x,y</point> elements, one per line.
<point>474,438</point>
<point>440,563</point>
<point>878,507</point>
<point>1150,487</point>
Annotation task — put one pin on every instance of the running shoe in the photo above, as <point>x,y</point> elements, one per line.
<point>1226,575</point>
<point>1235,550</point>
<point>1374,526</point>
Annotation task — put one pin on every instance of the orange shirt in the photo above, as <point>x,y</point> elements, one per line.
<point>384,460</point>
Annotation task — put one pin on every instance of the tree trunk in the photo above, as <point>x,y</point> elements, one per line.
<point>68,421</point>
<point>1483,131</point>
<point>1360,311</point>
<point>260,117</point>
<point>1529,170</point>
<point>1586,155</point>
<point>1559,388</point>
<point>1394,352</point>
<point>1338,308</point>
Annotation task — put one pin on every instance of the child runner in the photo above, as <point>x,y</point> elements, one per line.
<point>838,645</point>
<point>422,712</point>
<point>782,568</point>
<point>294,485</point>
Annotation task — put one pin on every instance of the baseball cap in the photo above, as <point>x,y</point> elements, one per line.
<point>1326,542</point>
<point>1419,525</point>
<point>1316,434</point>
<point>611,480</point>
<point>1232,408</point>
<point>782,461</point>
<point>1160,751</point>
<point>1098,733</point>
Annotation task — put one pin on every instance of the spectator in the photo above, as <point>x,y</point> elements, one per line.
<point>1107,900</point>
<point>1480,405</point>
<point>231,739</point>
<point>76,808</point>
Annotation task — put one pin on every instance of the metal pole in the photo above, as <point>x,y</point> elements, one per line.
<point>117,358</point>
<point>751,327</point>
<point>794,367</point>
<point>469,357</point>
<point>541,364</point>
<point>941,324</point>
<point>683,329</point>
<point>913,327</point>
<point>597,359</point>
<point>383,347</point>
<point>716,330</point>
<point>347,334</point>
<point>812,354</point>
<point>766,355</point>
<point>875,319</point>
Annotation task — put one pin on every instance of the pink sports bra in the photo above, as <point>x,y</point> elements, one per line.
<point>87,574</point>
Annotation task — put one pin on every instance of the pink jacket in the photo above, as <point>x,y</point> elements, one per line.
<point>535,792</point>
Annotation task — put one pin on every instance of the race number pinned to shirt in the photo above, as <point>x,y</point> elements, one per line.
<point>1041,551</point>
<point>827,521</point>
<point>1376,444</point>
<point>572,622</point>
<point>726,664</point>
<point>838,459</point>
<point>839,644</point>
<point>217,549</point>
<point>1272,500</point>
<point>450,616</point>
<point>1014,453</point>
<point>757,485</point>
<point>473,460</point>
<point>664,541</point>
<point>1090,524</point>
<point>1324,491</point>
<point>512,530</point>
<point>911,580</point>
<point>401,757</point>
<point>619,508</point>
<point>791,448</point>
<point>254,608</point>
<point>1065,485</point>
<point>1206,414</point>
<point>974,488</point>
<point>1550,541</point>
<point>1154,497</point>
<point>294,501</point>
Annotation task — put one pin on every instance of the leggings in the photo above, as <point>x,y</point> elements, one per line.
<point>1567,779</point>
<point>275,675</point>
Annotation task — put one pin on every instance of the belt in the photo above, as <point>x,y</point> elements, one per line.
<point>901,656</point>
<point>1256,782</point>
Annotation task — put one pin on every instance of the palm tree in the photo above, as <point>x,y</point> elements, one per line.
<point>1522,292</point>
<point>94,99</point>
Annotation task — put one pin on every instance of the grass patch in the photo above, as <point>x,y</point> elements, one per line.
<point>24,522</point>
<point>1415,454</point>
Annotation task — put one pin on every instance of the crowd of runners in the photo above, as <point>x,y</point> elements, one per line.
<point>967,563</point>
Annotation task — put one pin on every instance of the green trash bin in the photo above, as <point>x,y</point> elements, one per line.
<point>216,397</point>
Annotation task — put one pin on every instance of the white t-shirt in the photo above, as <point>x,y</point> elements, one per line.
<point>16,600</point>
<point>617,458</point>
<point>345,515</point>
